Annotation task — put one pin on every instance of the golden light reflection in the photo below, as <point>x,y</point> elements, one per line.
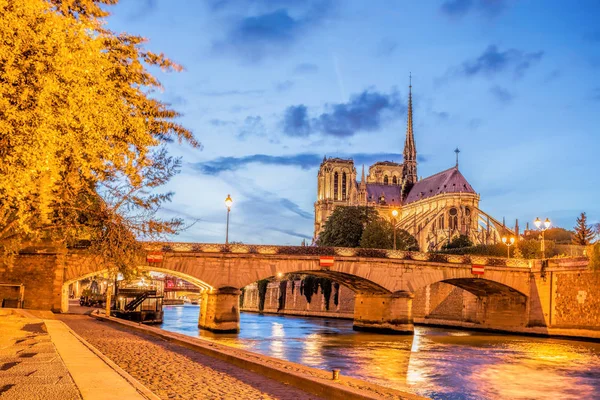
<point>416,370</point>
<point>312,355</point>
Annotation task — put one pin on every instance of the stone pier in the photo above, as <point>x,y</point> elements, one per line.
<point>220,311</point>
<point>384,313</point>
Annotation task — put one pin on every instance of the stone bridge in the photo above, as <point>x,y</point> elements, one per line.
<point>384,281</point>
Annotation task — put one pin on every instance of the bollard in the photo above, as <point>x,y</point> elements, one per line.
<point>336,374</point>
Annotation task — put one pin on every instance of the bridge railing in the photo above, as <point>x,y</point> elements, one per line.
<point>339,252</point>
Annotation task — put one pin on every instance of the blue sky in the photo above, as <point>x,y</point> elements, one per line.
<point>271,86</point>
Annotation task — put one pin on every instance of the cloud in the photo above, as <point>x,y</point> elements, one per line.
<point>492,62</point>
<point>220,122</point>
<point>284,86</point>
<point>475,123</point>
<point>263,202</point>
<point>253,126</point>
<point>364,112</point>
<point>296,122</point>
<point>456,8</point>
<point>460,8</point>
<point>222,164</point>
<point>501,94</point>
<point>386,47</point>
<point>221,93</point>
<point>304,161</point>
<point>441,115</point>
<point>273,29</point>
<point>146,7</point>
<point>305,68</point>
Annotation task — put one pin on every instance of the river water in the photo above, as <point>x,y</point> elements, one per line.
<point>441,363</point>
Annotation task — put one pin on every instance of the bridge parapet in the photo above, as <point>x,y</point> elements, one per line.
<point>176,247</point>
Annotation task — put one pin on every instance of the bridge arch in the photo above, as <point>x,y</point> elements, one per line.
<point>72,278</point>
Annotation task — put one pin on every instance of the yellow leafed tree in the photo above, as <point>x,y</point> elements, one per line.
<point>81,138</point>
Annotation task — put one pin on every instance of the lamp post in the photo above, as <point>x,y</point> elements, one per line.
<point>228,203</point>
<point>546,225</point>
<point>508,242</point>
<point>394,215</point>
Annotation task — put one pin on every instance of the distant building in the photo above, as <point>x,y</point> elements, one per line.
<point>433,210</point>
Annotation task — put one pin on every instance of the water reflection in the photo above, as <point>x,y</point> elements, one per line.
<point>435,362</point>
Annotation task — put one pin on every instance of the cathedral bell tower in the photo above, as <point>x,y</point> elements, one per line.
<point>409,172</point>
<point>336,186</point>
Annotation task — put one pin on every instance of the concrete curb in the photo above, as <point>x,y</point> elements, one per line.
<point>318,385</point>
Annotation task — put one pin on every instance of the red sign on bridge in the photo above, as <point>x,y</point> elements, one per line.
<point>154,257</point>
<point>477,269</point>
<point>326,261</point>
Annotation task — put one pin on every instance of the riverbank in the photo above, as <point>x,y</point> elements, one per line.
<point>172,371</point>
<point>316,381</point>
<point>41,358</point>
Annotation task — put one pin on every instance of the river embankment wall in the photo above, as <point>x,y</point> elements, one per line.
<point>561,303</point>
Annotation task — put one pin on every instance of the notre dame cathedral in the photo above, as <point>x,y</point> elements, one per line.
<point>434,209</point>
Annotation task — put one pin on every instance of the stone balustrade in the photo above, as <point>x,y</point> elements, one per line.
<point>340,252</point>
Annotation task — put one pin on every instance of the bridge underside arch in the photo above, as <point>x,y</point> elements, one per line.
<point>355,283</point>
<point>471,302</point>
<point>203,286</point>
<point>483,287</point>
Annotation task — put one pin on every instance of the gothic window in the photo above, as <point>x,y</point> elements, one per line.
<point>385,180</point>
<point>394,180</point>
<point>453,218</point>
<point>441,221</point>
<point>335,186</point>
<point>433,226</point>
<point>343,186</point>
<point>467,219</point>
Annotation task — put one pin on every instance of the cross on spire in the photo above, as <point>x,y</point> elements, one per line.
<point>457,151</point>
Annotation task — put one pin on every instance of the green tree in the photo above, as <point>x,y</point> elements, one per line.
<point>379,234</point>
<point>583,232</point>
<point>345,226</point>
<point>556,234</point>
<point>458,242</point>
<point>82,138</point>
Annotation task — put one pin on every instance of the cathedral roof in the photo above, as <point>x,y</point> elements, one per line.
<point>449,181</point>
<point>387,163</point>
<point>391,193</point>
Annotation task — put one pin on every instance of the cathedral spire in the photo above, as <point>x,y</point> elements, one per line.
<point>410,150</point>
<point>362,176</point>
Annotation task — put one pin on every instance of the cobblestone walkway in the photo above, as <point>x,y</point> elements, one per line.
<point>30,367</point>
<point>175,372</point>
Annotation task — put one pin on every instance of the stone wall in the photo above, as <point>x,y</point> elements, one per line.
<point>296,304</point>
<point>41,277</point>
<point>576,300</point>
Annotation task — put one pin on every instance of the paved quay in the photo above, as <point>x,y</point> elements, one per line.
<point>30,366</point>
<point>172,371</point>
<point>41,358</point>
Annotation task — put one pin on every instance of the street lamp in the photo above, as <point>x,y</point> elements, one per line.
<point>508,242</point>
<point>546,225</point>
<point>228,203</point>
<point>394,215</point>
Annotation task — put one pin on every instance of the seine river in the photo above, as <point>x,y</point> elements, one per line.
<point>441,363</point>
